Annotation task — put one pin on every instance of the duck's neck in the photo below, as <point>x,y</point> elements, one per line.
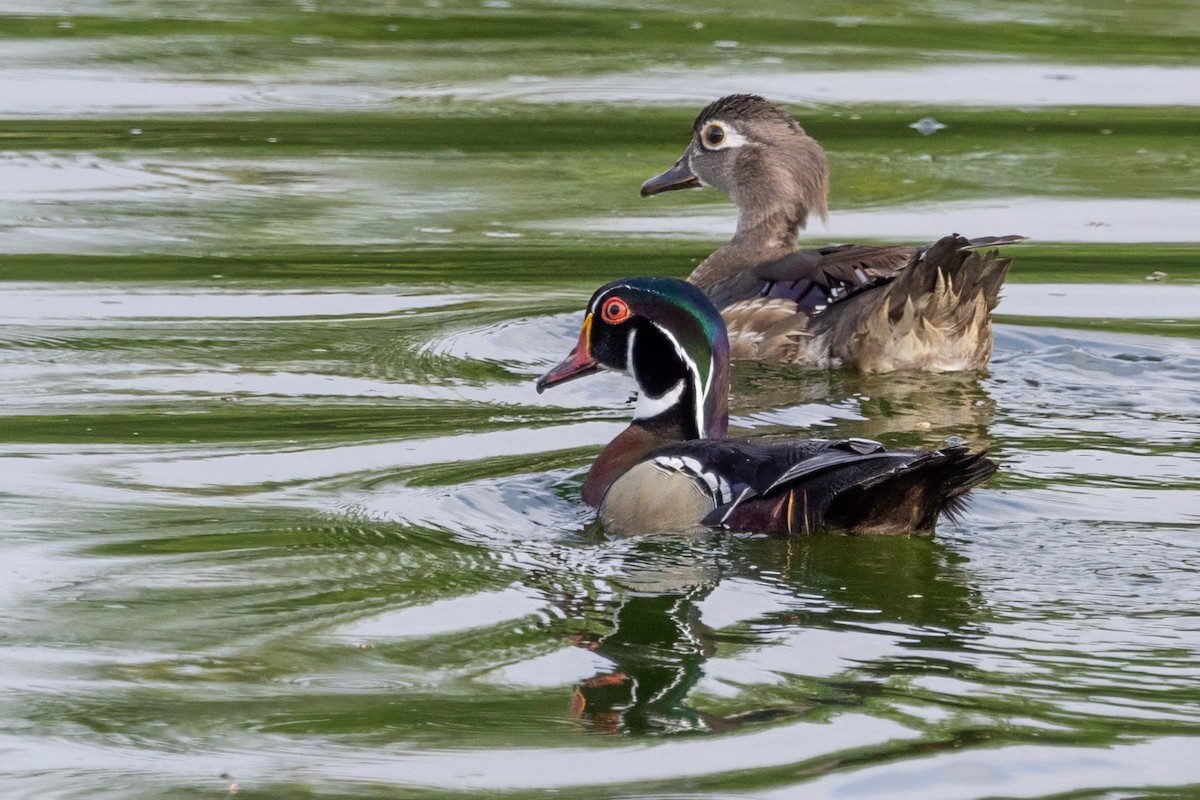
<point>774,227</point>
<point>644,436</point>
<point>759,238</point>
<point>682,373</point>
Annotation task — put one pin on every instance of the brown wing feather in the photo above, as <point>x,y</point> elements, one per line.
<point>845,270</point>
<point>859,264</point>
<point>865,265</point>
<point>814,279</point>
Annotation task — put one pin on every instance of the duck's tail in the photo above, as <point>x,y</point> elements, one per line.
<point>910,498</point>
<point>936,315</point>
<point>955,264</point>
<point>853,485</point>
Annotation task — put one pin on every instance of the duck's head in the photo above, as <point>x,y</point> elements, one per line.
<point>753,151</point>
<point>671,339</point>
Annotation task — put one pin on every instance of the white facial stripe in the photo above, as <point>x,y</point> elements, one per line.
<point>694,373</point>
<point>732,139</point>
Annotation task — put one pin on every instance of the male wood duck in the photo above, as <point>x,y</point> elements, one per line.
<point>877,308</point>
<point>674,469</point>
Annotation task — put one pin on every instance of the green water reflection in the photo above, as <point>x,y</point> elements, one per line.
<point>280,502</point>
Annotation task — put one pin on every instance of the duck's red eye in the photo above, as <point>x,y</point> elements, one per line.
<point>614,311</point>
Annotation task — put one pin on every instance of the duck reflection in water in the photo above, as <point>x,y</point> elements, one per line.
<point>661,649</point>
<point>902,409</point>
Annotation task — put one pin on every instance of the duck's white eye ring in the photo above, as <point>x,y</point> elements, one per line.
<point>713,135</point>
<point>718,135</point>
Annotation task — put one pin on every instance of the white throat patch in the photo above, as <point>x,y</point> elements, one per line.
<point>649,407</point>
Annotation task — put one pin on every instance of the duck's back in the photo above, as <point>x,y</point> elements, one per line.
<point>878,308</point>
<point>791,487</point>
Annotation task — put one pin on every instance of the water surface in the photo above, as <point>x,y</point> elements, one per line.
<point>282,511</point>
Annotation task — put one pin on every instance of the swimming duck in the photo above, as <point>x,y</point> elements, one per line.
<point>877,308</point>
<point>674,469</point>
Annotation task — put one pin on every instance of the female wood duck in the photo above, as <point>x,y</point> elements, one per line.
<point>674,469</point>
<point>879,309</point>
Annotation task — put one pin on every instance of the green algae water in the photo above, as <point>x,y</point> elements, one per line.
<point>281,514</point>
